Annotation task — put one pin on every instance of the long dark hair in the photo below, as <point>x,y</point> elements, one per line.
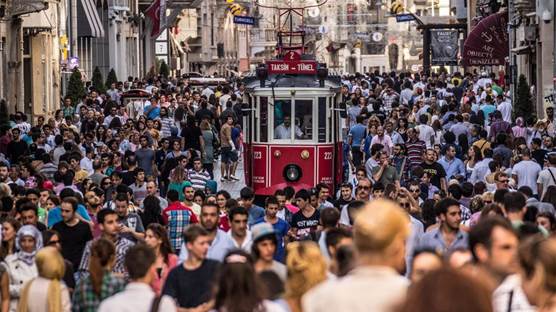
<point>550,195</point>
<point>160,232</point>
<point>151,210</point>
<point>238,287</point>
<point>102,253</point>
<point>4,251</point>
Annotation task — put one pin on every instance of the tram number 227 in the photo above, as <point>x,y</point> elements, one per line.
<point>257,155</point>
<point>327,155</point>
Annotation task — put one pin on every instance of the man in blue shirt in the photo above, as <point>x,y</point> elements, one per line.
<point>280,226</point>
<point>255,212</point>
<point>153,111</point>
<point>447,237</point>
<point>55,215</point>
<point>357,135</point>
<point>452,165</point>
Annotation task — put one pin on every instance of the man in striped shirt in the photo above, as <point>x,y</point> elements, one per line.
<point>198,176</point>
<point>415,148</point>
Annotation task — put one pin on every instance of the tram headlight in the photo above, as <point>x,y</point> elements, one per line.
<point>292,173</point>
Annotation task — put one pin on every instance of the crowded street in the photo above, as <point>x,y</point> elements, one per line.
<point>277,156</point>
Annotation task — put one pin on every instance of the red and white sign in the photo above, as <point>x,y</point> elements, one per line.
<point>292,67</point>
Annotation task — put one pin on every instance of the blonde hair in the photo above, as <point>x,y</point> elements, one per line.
<point>378,224</point>
<point>306,268</point>
<point>50,265</point>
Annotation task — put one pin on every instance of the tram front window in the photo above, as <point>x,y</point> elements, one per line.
<point>304,119</point>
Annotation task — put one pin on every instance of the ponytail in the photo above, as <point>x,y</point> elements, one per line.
<point>102,254</point>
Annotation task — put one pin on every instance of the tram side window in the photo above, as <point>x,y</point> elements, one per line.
<point>283,119</point>
<point>263,106</point>
<point>322,120</point>
<point>304,119</point>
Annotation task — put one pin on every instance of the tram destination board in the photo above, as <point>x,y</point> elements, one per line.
<point>292,67</point>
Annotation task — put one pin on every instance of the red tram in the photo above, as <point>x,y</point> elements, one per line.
<point>292,125</point>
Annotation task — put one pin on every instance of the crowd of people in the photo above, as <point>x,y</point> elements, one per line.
<point>447,204</point>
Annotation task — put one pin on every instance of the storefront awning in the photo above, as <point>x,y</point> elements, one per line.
<point>487,43</point>
<point>88,20</point>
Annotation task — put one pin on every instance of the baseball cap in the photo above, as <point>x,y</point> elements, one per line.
<point>262,230</point>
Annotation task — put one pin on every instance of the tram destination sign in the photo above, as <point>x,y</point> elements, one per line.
<point>292,67</point>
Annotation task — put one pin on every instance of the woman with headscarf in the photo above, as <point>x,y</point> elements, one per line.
<point>46,293</point>
<point>21,265</point>
<point>519,130</point>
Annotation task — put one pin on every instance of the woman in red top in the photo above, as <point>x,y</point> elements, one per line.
<point>222,198</point>
<point>157,238</point>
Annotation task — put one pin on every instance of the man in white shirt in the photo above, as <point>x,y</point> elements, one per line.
<point>426,132</point>
<point>138,295</point>
<point>283,131</point>
<point>375,284</point>
<point>526,171</point>
<point>547,176</point>
<point>239,233</point>
<point>505,107</point>
<point>86,163</point>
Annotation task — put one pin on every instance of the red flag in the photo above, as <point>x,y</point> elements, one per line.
<point>153,11</point>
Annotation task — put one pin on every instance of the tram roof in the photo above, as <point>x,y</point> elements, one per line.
<point>292,81</point>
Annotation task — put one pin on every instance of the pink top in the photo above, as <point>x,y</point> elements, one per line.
<point>158,282</point>
<point>292,208</point>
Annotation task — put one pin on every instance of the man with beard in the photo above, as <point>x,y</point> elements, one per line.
<point>110,228</point>
<point>4,172</point>
<point>447,237</point>
<point>221,242</point>
<point>493,243</point>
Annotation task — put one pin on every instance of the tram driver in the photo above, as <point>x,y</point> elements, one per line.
<point>283,131</point>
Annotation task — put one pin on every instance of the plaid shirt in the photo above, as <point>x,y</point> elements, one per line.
<point>122,246</point>
<point>178,217</point>
<point>85,299</point>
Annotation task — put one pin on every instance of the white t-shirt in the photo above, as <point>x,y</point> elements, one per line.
<point>506,109</point>
<point>426,132</point>
<point>546,179</point>
<point>527,172</point>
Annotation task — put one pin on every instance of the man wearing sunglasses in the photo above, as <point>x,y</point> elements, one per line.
<point>362,193</point>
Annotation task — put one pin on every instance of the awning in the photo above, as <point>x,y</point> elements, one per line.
<point>487,43</point>
<point>88,20</point>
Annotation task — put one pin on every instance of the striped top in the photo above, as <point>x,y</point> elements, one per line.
<point>198,179</point>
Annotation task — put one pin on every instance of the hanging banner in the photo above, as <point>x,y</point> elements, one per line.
<point>487,43</point>
<point>444,46</point>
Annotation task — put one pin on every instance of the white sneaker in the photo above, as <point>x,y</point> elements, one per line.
<point>232,177</point>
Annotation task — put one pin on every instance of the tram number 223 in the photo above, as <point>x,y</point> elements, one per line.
<point>327,155</point>
<point>257,155</point>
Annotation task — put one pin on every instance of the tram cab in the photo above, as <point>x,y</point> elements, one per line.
<point>292,130</point>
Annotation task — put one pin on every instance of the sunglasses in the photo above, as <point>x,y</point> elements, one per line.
<point>367,188</point>
<point>53,242</point>
<point>503,181</point>
<point>404,204</point>
<point>414,190</point>
<point>488,201</point>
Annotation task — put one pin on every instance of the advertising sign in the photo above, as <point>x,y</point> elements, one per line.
<point>444,45</point>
